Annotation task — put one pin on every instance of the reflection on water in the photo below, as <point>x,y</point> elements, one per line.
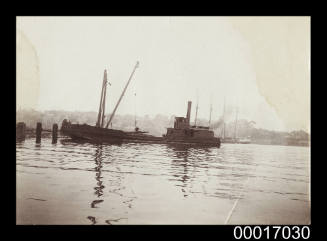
<point>180,167</point>
<point>191,165</point>
<point>98,162</point>
<point>99,187</point>
<point>138,183</point>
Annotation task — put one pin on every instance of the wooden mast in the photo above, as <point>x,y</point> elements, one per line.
<point>224,119</point>
<point>135,112</point>
<point>98,124</point>
<point>104,99</point>
<point>121,96</point>
<point>235,124</point>
<point>210,110</point>
<point>196,110</point>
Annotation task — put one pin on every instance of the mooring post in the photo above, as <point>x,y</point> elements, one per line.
<point>38,132</point>
<point>54,133</point>
<point>20,131</point>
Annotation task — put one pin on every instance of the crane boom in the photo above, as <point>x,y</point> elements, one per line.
<point>121,96</point>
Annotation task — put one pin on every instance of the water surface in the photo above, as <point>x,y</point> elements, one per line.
<point>82,183</point>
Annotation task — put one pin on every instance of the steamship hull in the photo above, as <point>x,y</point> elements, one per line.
<point>94,134</point>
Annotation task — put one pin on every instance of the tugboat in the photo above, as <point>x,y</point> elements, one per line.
<point>184,133</point>
<point>181,133</point>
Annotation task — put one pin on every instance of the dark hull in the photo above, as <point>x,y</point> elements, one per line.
<point>102,135</point>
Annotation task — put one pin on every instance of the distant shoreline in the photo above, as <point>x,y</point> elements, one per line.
<point>158,124</point>
<point>47,134</point>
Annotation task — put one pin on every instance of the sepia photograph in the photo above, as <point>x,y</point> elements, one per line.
<point>163,120</point>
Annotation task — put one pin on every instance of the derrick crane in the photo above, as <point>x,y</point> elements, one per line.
<point>121,96</point>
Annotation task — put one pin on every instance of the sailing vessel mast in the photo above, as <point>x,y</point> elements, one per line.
<point>196,110</point>
<point>99,122</point>
<point>210,111</point>
<point>135,123</point>
<point>235,124</point>
<point>121,96</point>
<point>224,119</point>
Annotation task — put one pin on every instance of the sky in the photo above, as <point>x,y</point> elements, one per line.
<point>258,66</point>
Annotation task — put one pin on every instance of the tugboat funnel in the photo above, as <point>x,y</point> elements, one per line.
<point>188,115</point>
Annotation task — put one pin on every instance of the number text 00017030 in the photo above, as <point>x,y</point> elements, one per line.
<point>271,232</point>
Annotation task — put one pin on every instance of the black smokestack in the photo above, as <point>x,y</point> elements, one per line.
<point>188,115</point>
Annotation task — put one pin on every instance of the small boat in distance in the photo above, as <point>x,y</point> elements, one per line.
<point>244,141</point>
<point>181,133</point>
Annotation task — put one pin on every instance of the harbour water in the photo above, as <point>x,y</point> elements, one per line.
<point>82,183</point>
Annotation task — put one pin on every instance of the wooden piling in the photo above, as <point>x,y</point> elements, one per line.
<point>20,131</point>
<point>54,133</point>
<point>38,132</point>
